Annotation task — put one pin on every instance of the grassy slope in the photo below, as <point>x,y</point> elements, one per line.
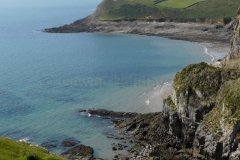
<point>170,10</point>
<point>12,150</point>
<point>178,4</point>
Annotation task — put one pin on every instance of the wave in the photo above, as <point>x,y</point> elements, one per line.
<point>147,102</point>
<point>24,140</point>
<point>206,52</point>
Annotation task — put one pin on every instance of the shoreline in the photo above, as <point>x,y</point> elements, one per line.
<point>215,50</point>
<point>194,32</point>
<point>154,98</point>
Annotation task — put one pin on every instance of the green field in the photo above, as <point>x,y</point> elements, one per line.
<point>110,18</point>
<point>178,3</point>
<point>143,2</point>
<point>170,10</point>
<point>166,3</point>
<point>12,150</point>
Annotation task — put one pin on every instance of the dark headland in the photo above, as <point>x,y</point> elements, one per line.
<point>211,28</point>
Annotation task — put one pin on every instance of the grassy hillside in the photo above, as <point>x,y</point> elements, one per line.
<point>169,10</point>
<point>12,150</point>
<point>178,4</point>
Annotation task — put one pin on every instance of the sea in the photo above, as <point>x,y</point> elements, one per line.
<point>46,78</point>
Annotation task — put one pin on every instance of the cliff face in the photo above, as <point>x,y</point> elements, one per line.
<point>232,59</point>
<point>205,103</point>
<point>217,137</point>
<point>195,94</point>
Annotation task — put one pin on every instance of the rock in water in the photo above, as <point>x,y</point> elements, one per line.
<point>49,145</point>
<point>70,142</point>
<point>107,113</point>
<point>79,152</point>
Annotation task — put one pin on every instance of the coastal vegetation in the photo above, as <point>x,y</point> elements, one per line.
<point>169,10</point>
<point>13,150</point>
<point>178,4</point>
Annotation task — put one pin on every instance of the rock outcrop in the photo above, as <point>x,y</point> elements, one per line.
<point>232,60</point>
<point>176,133</point>
<point>193,96</point>
<point>217,137</point>
<point>79,152</point>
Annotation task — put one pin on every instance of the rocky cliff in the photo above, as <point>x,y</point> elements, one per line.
<point>232,59</point>
<point>200,120</point>
<point>201,91</point>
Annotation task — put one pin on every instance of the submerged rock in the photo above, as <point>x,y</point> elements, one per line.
<point>50,145</point>
<point>107,113</point>
<point>79,152</point>
<point>70,142</point>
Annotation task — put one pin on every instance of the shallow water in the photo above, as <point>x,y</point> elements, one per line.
<point>47,78</point>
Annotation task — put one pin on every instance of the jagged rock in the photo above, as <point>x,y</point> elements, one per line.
<point>217,136</point>
<point>49,145</point>
<point>235,155</point>
<point>79,152</point>
<point>115,137</point>
<point>151,133</point>
<point>121,157</point>
<point>194,95</point>
<point>232,60</point>
<point>119,146</point>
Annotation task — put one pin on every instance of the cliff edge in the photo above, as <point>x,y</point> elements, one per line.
<point>232,59</point>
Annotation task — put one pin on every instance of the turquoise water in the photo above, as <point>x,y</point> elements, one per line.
<point>46,78</point>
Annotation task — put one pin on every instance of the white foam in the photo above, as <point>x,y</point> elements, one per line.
<point>142,94</point>
<point>24,140</point>
<point>111,126</point>
<point>147,102</point>
<point>206,51</point>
